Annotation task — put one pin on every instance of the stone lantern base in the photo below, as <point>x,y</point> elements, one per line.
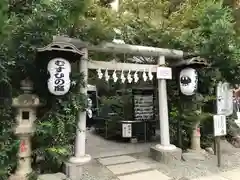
<point>18,177</point>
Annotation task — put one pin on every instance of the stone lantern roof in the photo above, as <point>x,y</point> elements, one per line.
<point>26,100</point>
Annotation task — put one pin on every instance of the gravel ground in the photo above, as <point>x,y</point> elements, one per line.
<point>196,168</point>
<point>178,170</point>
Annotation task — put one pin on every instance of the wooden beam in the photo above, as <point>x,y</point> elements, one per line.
<point>121,66</point>
<point>123,48</point>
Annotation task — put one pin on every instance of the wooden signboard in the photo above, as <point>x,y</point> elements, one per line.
<point>143,104</point>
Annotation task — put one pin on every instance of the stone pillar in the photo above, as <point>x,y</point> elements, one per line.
<point>115,5</point>
<point>195,138</point>
<point>196,131</point>
<point>24,154</point>
<point>164,151</point>
<point>163,110</point>
<point>26,105</point>
<point>74,166</point>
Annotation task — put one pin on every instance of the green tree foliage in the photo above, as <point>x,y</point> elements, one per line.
<point>204,27</point>
<point>22,32</point>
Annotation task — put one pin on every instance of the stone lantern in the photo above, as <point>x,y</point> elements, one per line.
<point>25,105</point>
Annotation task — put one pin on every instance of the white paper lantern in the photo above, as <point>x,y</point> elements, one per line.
<point>188,81</point>
<point>59,82</point>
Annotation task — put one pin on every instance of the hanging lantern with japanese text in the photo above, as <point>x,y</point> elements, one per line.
<point>59,82</point>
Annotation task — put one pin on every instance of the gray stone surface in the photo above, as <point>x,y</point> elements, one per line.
<point>132,167</point>
<point>213,177</point>
<point>231,175</point>
<point>236,141</point>
<point>99,147</point>
<point>57,176</point>
<point>74,171</point>
<point>191,156</point>
<point>17,177</point>
<point>134,140</point>
<point>165,156</point>
<point>197,168</point>
<point>116,160</point>
<point>95,171</point>
<point>177,170</point>
<point>209,150</point>
<point>153,175</point>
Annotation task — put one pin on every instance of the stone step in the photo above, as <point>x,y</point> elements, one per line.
<point>214,177</point>
<point>127,168</point>
<point>116,160</point>
<point>152,175</point>
<point>57,176</point>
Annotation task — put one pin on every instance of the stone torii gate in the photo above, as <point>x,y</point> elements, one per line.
<point>161,150</point>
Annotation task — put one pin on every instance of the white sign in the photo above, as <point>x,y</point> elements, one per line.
<point>59,82</point>
<point>224,99</point>
<point>164,72</point>
<point>220,128</point>
<point>127,130</point>
<point>188,81</point>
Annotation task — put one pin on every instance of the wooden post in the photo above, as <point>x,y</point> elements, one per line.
<point>218,141</point>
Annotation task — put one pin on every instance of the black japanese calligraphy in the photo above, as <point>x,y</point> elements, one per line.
<point>59,75</point>
<point>59,63</point>
<point>143,107</point>
<point>59,69</point>
<point>58,88</point>
<point>59,82</point>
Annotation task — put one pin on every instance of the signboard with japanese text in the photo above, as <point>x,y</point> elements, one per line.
<point>164,72</point>
<point>59,82</point>
<point>143,104</point>
<point>143,107</point>
<point>126,130</point>
<point>220,127</point>
<point>224,99</point>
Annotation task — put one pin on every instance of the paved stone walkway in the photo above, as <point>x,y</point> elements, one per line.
<point>99,147</point>
<point>128,168</point>
<point>228,175</point>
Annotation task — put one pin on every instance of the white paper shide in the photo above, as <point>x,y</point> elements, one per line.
<point>188,81</point>
<point>59,82</point>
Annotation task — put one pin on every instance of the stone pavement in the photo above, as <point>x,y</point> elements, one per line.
<point>128,168</point>
<point>228,175</point>
<point>99,147</point>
